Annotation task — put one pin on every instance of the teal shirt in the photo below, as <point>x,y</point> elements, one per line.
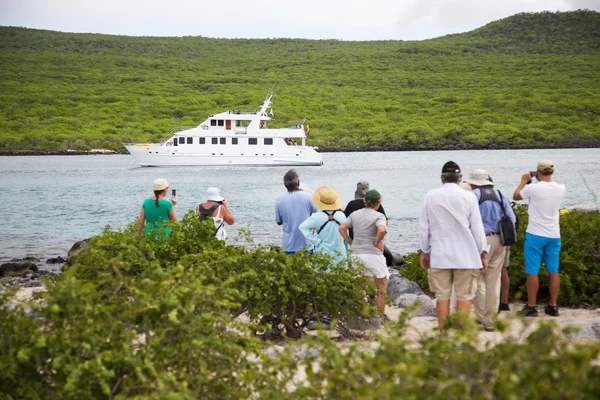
<point>155,214</point>
<point>330,240</point>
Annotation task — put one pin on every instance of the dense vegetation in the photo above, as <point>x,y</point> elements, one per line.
<point>579,261</point>
<point>144,319</point>
<point>527,80</point>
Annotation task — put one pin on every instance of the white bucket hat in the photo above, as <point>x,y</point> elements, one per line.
<point>212,194</point>
<point>160,184</point>
<point>479,177</point>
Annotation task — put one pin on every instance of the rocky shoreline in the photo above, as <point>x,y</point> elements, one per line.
<point>61,152</point>
<point>457,146</point>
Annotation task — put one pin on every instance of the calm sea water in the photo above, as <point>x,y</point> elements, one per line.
<point>50,202</point>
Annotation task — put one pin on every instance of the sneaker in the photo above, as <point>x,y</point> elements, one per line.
<point>551,310</point>
<point>528,311</point>
<point>503,307</point>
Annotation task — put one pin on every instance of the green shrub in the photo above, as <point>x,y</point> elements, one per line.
<point>451,366</point>
<point>579,260</point>
<point>145,319</point>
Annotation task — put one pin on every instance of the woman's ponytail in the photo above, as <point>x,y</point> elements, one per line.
<point>156,194</point>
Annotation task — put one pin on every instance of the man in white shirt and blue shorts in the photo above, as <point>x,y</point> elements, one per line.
<point>452,242</point>
<point>542,238</point>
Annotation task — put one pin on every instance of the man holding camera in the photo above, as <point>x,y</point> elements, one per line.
<point>542,238</point>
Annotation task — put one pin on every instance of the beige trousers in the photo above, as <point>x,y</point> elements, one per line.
<point>487,296</point>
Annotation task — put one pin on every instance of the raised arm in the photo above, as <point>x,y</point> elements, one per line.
<point>525,179</point>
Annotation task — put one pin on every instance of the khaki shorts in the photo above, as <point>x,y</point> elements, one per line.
<point>464,280</point>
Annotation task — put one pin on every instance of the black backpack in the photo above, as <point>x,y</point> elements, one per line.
<point>208,212</point>
<point>508,232</point>
<point>506,228</point>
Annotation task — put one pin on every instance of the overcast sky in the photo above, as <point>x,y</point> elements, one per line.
<point>312,19</point>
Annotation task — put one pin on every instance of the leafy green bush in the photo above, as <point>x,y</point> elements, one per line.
<point>579,261</point>
<point>452,366</point>
<point>145,319</point>
<point>289,293</point>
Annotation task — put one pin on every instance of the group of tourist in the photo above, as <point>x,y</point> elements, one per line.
<point>461,241</point>
<point>461,236</point>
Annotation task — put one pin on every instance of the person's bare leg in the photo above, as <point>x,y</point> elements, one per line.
<point>554,287</point>
<point>533,285</point>
<point>442,309</point>
<point>463,307</point>
<point>381,284</point>
<point>504,285</point>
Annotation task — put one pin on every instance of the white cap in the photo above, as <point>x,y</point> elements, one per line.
<point>160,184</point>
<point>212,193</point>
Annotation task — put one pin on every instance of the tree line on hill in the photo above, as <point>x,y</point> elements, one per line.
<point>529,80</point>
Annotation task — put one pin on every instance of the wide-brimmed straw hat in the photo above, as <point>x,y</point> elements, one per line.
<point>479,177</point>
<point>327,198</point>
<point>160,184</point>
<point>212,194</point>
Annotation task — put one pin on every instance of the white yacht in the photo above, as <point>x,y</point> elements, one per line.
<point>231,138</point>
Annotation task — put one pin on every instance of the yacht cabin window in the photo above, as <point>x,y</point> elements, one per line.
<point>190,140</point>
<point>223,140</point>
<point>220,122</point>
<point>201,140</point>
<point>234,140</point>
<point>213,122</point>
<point>268,141</point>
<point>252,141</point>
<point>181,140</point>
<point>215,140</point>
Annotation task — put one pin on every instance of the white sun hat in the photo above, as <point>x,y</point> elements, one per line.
<point>212,194</point>
<point>479,177</point>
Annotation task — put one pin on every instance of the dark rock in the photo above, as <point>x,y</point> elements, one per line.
<point>31,259</point>
<point>56,260</point>
<point>398,260</point>
<point>427,308</point>
<point>398,286</point>
<point>33,283</point>
<point>17,268</point>
<point>75,249</point>
<point>587,330</point>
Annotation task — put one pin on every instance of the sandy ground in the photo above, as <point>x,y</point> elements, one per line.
<point>517,328</point>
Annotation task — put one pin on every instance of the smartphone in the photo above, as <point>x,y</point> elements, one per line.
<point>174,192</point>
<point>533,174</point>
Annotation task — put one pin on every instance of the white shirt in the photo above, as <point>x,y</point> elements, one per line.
<point>451,229</point>
<point>544,203</point>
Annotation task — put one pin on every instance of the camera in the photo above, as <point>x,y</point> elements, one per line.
<point>174,192</point>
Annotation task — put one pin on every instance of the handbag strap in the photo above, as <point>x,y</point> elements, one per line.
<point>502,203</point>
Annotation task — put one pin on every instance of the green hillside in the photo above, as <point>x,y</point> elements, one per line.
<point>527,80</point>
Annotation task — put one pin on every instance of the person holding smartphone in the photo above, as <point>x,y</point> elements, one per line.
<point>216,207</point>
<point>542,237</point>
<point>156,211</point>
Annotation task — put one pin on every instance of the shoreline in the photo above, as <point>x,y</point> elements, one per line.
<point>324,149</point>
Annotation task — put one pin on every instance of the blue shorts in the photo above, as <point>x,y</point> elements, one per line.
<point>537,248</point>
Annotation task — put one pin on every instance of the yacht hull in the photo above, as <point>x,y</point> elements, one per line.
<point>160,157</point>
